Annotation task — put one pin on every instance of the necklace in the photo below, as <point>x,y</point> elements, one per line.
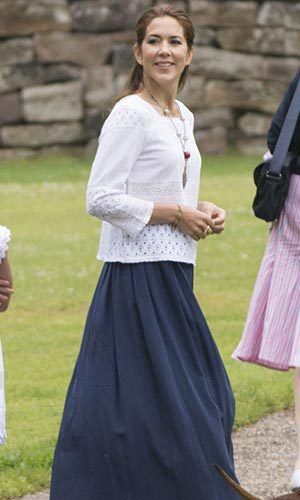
<point>183,138</point>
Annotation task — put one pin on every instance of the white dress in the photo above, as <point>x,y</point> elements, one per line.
<point>4,240</point>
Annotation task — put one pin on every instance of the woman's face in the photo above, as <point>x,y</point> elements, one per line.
<point>164,52</point>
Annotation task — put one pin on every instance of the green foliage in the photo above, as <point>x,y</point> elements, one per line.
<point>55,270</point>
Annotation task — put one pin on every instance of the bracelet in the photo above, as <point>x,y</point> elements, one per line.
<point>179,216</point>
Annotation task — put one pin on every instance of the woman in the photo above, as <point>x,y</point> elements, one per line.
<point>271,336</point>
<point>149,410</point>
<point>5,293</point>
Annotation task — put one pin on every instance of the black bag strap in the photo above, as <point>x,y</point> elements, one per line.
<point>286,134</point>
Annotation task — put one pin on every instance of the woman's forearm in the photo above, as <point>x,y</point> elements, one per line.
<point>164,214</point>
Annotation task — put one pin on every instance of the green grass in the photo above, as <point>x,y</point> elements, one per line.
<point>53,256</point>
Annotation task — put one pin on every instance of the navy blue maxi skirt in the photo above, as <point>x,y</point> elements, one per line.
<point>149,409</point>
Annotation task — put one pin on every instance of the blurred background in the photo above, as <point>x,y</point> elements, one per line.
<point>63,62</point>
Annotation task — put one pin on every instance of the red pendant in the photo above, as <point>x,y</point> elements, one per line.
<point>187,155</point>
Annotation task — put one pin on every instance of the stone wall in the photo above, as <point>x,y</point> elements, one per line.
<point>62,62</point>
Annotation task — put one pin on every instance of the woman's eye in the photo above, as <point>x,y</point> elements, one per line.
<point>152,41</point>
<point>175,42</point>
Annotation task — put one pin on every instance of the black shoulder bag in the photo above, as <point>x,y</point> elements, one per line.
<point>272,177</point>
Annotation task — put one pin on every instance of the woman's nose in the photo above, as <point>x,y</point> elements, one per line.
<point>164,49</point>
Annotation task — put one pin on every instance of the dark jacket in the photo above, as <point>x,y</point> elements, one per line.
<point>279,117</point>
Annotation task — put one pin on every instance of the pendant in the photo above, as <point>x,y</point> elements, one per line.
<point>186,155</point>
<point>184,177</point>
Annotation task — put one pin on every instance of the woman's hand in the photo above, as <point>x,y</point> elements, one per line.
<point>195,223</point>
<point>6,280</point>
<point>217,214</point>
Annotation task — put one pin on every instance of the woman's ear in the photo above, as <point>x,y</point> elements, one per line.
<point>138,54</point>
<point>189,56</point>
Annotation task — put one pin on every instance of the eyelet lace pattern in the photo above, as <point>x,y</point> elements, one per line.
<point>127,117</point>
<point>125,206</point>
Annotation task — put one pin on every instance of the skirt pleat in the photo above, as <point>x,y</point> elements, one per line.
<point>271,335</point>
<point>149,409</point>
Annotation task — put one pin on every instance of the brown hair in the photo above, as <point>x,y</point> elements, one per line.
<point>136,75</point>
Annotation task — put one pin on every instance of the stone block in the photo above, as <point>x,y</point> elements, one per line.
<point>35,136</point>
<point>254,124</point>
<point>179,4</point>
<point>206,36</point>
<point>24,17</point>
<point>101,16</point>
<point>212,141</point>
<point>56,102</point>
<point>10,153</point>
<point>10,108</point>
<point>256,145</point>
<point>292,16</point>
<point>292,43</point>
<point>237,13</point>
<point>245,95</point>
<point>99,99</point>
<point>220,14</point>
<point>19,76</point>
<point>101,89</point>
<point>193,93</point>
<point>279,69</point>
<point>56,73</point>
<point>272,14</point>
<point>253,40</point>
<point>204,13</point>
<point>120,82</point>
<point>214,117</point>
<point>64,150</point>
<point>16,51</point>
<point>122,58</point>
<point>264,40</point>
<point>271,40</point>
<point>93,122</point>
<point>100,77</point>
<point>77,48</point>
<point>225,65</point>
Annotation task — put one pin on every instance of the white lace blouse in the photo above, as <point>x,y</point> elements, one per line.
<point>4,240</point>
<point>140,161</point>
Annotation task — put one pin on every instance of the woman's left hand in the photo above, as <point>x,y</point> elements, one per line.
<point>217,214</point>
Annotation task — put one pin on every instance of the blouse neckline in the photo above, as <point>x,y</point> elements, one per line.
<point>155,110</point>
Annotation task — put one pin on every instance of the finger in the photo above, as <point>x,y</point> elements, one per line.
<point>205,219</point>
<point>6,291</point>
<point>219,214</point>
<point>3,298</point>
<point>219,221</point>
<point>198,235</point>
<point>4,282</point>
<point>219,229</point>
<point>205,228</point>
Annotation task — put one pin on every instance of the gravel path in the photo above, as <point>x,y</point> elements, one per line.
<point>265,453</point>
<point>264,456</point>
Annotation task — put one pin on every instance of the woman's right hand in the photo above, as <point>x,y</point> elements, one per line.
<point>195,223</point>
<point>5,292</point>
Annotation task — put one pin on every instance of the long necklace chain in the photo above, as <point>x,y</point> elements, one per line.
<point>182,138</point>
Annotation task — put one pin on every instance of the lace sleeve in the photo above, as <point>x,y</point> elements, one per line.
<point>120,145</point>
<point>4,240</point>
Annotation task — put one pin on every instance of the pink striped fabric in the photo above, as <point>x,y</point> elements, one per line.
<point>272,332</point>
